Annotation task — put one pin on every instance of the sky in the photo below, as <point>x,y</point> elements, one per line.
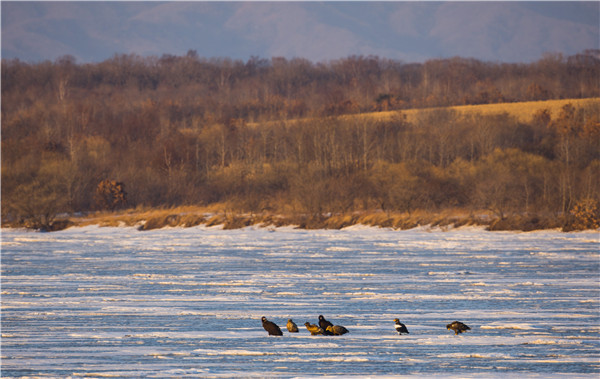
<point>415,31</point>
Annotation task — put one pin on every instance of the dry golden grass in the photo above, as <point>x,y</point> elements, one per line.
<point>443,218</point>
<point>148,218</point>
<point>221,215</point>
<point>523,111</point>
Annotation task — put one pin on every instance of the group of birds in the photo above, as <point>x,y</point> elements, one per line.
<point>457,326</point>
<point>326,328</point>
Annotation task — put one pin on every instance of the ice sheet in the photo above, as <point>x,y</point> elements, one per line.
<point>187,302</point>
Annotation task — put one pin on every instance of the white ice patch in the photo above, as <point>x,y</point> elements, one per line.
<point>508,326</point>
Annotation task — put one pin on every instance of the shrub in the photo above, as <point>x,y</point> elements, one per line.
<point>110,195</point>
<point>585,214</point>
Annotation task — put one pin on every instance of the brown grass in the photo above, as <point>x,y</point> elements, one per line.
<point>523,111</point>
<point>148,218</point>
<point>221,215</point>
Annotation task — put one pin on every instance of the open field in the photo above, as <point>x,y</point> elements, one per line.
<point>523,111</point>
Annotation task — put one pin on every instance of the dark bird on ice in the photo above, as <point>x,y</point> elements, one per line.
<point>324,323</point>
<point>337,330</point>
<point>400,327</point>
<point>314,329</point>
<point>271,327</point>
<point>291,326</point>
<point>458,327</point>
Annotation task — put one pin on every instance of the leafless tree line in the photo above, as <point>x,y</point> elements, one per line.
<point>269,135</point>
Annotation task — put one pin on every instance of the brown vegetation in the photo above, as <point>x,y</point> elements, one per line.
<point>111,195</point>
<point>179,131</point>
<point>219,216</point>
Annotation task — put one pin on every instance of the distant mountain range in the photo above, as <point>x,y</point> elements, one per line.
<point>408,31</point>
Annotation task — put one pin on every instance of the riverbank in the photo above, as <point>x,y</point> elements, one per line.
<point>188,216</point>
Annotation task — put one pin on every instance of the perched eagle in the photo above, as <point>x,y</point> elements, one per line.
<point>324,323</point>
<point>337,330</point>
<point>291,326</point>
<point>458,327</point>
<point>271,327</point>
<point>400,327</point>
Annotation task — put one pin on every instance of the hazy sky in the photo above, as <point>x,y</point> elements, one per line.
<point>409,31</point>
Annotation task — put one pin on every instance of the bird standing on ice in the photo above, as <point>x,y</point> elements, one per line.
<point>314,329</point>
<point>324,323</point>
<point>400,327</point>
<point>271,327</point>
<point>291,326</point>
<point>458,327</point>
<point>337,330</point>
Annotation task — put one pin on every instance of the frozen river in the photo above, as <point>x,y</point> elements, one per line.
<point>117,302</point>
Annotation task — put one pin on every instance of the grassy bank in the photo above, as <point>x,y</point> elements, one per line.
<point>220,215</point>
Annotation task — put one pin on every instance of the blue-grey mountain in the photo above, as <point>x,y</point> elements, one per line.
<point>318,31</point>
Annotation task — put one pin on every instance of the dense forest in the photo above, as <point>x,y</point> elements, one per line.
<point>270,136</point>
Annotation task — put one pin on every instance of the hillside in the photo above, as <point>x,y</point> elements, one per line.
<point>523,111</point>
<point>320,145</point>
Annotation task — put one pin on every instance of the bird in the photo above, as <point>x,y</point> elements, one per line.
<point>458,327</point>
<point>324,323</point>
<point>400,327</point>
<point>271,327</point>
<point>337,330</point>
<point>314,329</point>
<point>291,326</point>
